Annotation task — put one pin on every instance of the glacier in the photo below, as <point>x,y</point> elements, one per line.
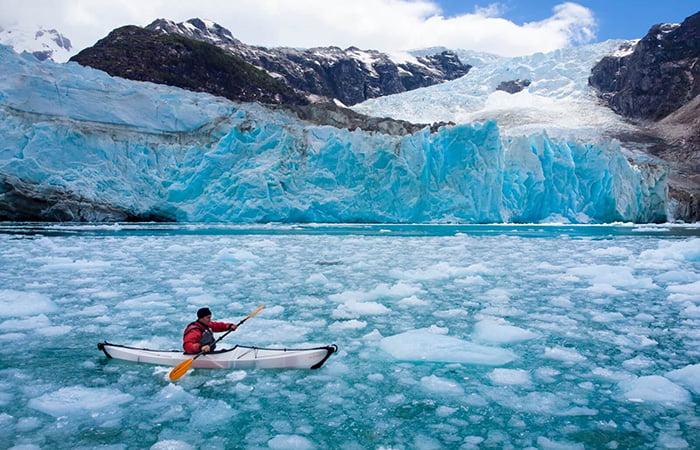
<point>81,145</point>
<point>558,98</point>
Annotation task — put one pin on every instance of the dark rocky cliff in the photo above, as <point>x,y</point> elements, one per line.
<point>144,55</point>
<point>656,84</point>
<point>350,75</point>
<point>659,76</point>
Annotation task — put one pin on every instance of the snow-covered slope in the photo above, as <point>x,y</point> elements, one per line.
<point>43,44</point>
<point>557,100</point>
<point>78,144</point>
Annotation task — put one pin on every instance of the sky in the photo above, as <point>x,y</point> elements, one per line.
<point>506,28</point>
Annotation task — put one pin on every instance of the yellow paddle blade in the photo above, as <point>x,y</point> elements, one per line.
<point>181,369</point>
<point>254,313</point>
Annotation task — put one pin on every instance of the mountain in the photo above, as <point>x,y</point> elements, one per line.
<point>351,75</point>
<point>79,144</point>
<point>658,75</point>
<point>144,55</point>
<point>43,44</point>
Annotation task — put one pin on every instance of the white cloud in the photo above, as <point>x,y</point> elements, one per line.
<point>387,25</point>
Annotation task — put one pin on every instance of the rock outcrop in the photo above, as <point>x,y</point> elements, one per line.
<point>657,77</point>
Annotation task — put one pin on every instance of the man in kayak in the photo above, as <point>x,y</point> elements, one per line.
<point>199,335</point>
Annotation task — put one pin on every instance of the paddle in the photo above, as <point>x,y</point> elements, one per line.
<point>184,366</point>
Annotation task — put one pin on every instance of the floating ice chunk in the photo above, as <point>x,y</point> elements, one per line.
<point>678,276</point>
<point>439,385</point>
<point>638,362</point>
<point>445,411</point>
<point>686,250</point>
<point>606,317</point>
<point>355,309</point>
<point>549,444</point>
<point>95,310</point>
<point>207,300</point>
<point>347,325</point>
<point>425,442</point>
<point>547,374</point>
<point>145,302</point>
<point>31,323</point>
<point>423,345</point>
<point>604,289</point>
<point>561,301</point>
<point>217,413</point>
<point>692,289</point>
<point>237,375</point>
<point>171,444</point>
<point>473,279</point>
<point>688,376</point>
<point>412,301</point>
<point>670,440</point>
<point>317,278</point>
<point>77,400</point>
<point>21,304</point>
<point>383,290</point>
<point>451,313</point>
<point>612,375</point>
<point>563,354</point>
<point>636,342</point>
<point>10,337</point>
<point>290,442</point>
<point>509,376</point>
<point>619,252</point>
<point>27,424</point>
<point>439,271</point>
<point>497,295</point>
<point>692,311</point>
<point>499,331</point>
<point>609,275</point>
<point>472,441</point>
<point>654,388</point>
<point>375,377</point>
<point>533,402</point>
<point>578,411</point>
<point>58,330</point>
<point>236,255</point>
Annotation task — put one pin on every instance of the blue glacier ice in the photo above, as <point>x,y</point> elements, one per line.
<point>144,149</point>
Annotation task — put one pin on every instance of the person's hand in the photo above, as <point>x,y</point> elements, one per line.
<point>205,349</point>
<point>232,326</point>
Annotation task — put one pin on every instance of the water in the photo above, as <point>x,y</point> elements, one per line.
<point>450,336</point>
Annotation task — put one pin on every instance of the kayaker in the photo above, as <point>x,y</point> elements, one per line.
<point>199,335</point>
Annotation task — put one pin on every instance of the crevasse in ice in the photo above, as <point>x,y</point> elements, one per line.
<point>189,156</point>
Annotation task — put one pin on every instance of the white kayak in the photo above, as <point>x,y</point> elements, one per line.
<point>238,357</point>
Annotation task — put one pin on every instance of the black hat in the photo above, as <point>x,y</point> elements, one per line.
<point>203,312</point>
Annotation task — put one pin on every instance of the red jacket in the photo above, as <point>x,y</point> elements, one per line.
<point>193,334</point>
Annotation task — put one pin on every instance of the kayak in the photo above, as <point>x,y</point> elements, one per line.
<point>238,357</point>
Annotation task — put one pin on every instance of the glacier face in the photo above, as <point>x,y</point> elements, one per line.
<point>84,146</point>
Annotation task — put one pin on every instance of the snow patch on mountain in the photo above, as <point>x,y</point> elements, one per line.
<point>42,43</point>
